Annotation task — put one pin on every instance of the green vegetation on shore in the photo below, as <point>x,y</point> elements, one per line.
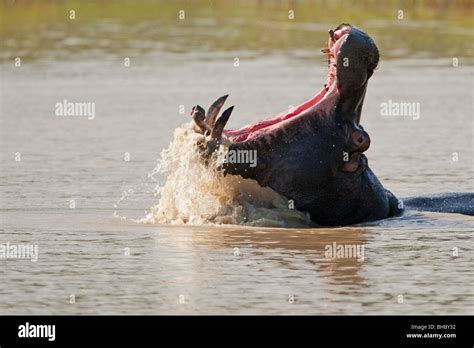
<point>35,28</point>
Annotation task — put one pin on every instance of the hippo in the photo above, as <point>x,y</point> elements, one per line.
<point>313,154</point>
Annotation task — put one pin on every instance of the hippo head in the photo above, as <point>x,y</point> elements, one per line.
<point>313,154</point>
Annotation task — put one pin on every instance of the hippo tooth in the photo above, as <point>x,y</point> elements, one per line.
<point>216,132</point>
<point>214,109</point>
<point>198,116</point>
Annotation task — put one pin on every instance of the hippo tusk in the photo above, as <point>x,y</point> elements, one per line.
<point>214,110</point>
<point>216,132</point>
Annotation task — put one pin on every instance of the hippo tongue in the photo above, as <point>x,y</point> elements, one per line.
<point>330,89</point>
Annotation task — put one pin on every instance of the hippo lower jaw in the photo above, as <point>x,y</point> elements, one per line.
<point>312,154</point>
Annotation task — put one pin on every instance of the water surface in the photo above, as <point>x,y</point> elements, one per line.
<point>174,269</point>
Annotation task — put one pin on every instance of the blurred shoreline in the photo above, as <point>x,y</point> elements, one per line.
<point>34,29</point>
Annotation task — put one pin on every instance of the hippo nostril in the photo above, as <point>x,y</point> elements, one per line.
<point>358,137</point>
<point>360,140</point>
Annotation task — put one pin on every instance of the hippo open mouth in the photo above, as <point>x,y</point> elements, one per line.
<point>320,105</point>
<point>324,100</point>
<point>313,153</point>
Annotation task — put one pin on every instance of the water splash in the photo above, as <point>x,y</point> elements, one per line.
<point>196,193</point>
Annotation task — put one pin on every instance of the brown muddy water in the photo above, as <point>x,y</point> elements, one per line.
<point>78,187</point>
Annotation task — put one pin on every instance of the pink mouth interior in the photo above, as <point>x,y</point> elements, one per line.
<point>329,91</point>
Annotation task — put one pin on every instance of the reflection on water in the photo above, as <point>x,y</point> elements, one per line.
<point>292,246</point>
<point>176,269</point>
<point>38,29</point>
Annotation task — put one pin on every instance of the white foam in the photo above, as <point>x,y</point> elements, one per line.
<point>196,194</point>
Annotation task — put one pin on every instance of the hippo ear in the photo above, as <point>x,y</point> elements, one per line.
<point>216,132</point>
<point>214,110</point>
